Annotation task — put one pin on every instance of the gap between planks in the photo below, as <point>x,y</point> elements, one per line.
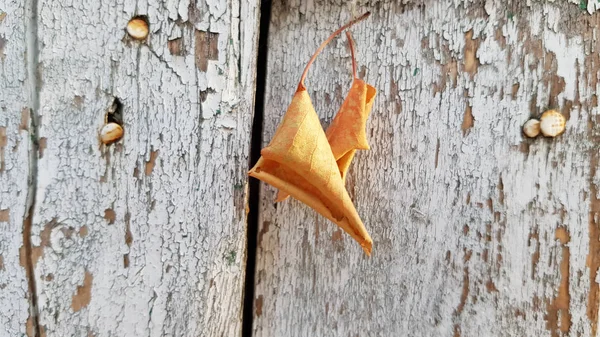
<point>254,184</point>
<point>31,34</point>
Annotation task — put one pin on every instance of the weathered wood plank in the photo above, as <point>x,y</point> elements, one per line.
<point>476,231</point>
<point>14,168</point>
<point>145,237</point>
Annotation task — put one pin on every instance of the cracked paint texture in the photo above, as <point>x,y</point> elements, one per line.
<point>14,168</point>
<point>476,230</point>
<point>134,238</point>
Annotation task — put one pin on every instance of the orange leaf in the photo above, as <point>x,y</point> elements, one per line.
<point>347,131</point>
<point>300,162</point>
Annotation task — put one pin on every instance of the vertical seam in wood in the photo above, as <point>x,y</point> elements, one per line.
<point>593,261</point>
<point>34,103</point>
<point>254,184</point>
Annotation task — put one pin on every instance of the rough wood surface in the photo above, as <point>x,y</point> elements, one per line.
<point>477,231</point>
<point>145,237</point>
<point>14,167</point>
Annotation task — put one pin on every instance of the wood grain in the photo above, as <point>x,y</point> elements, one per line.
<point>15,150</point>
<point>477,231</point>
<point>145,237</point>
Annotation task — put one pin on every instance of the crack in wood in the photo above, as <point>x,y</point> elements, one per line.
<point>31,9</point>
<point>253,200</point>
<point>3,143</point>
<point>593,258</point>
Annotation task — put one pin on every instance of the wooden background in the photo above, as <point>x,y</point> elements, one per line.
<point>477,231</point>
<point>146,237</point>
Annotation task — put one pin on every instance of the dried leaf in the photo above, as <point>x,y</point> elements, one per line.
<point>347,131</point>
<point>300,161</point>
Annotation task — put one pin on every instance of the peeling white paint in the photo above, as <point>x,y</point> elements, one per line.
<point>186,215</point>
<point>568,53</point>
<point>14,167</point>
<point>480,257</point>
<point>172,273</point>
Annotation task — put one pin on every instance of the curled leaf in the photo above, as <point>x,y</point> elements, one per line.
<point>299,161</point>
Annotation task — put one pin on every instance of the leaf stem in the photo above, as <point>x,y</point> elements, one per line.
<point>324,44</point>
<point>352,52</point>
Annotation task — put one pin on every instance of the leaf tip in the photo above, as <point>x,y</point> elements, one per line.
<point>367,246</point>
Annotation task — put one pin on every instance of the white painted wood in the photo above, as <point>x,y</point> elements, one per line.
<point>14,169</point>
<point>145,237</point>
<point>476,230</point>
